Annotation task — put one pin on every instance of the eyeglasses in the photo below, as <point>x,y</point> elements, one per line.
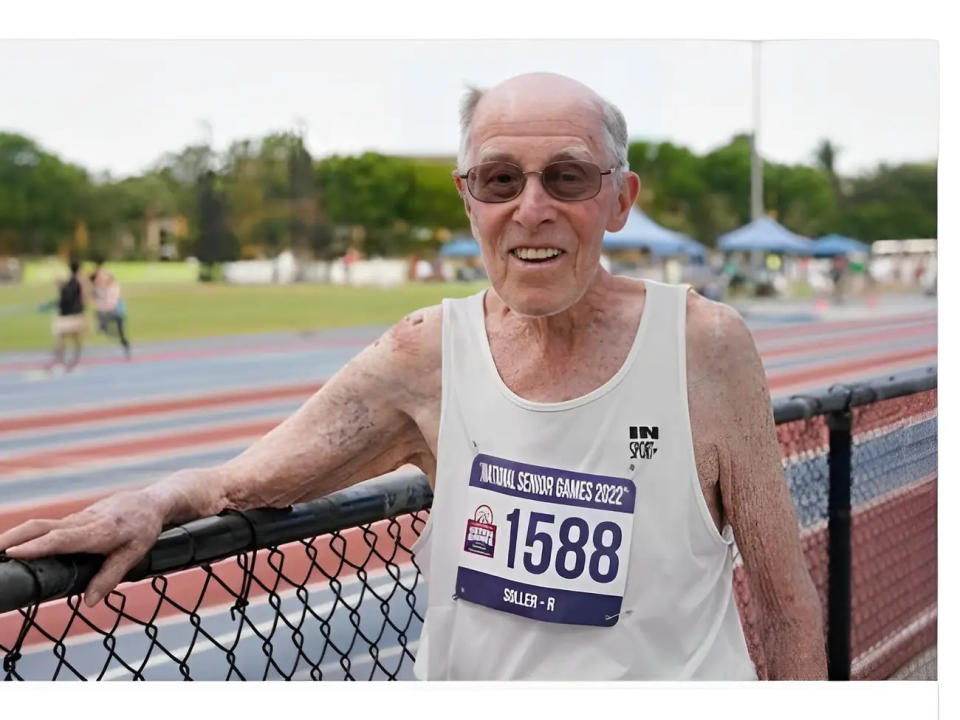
<point>566,180</point>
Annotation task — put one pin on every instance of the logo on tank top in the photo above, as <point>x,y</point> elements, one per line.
<point>481,532</point>
<point>643,439</point>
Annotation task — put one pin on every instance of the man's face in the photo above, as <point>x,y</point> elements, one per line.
<point>531,128</point>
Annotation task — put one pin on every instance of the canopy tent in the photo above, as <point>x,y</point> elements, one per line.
<point>830,245</point>
<point>463,247</point>
<point>642,233</point>
<point>765,235</point>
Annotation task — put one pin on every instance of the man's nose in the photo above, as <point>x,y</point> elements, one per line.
<point>535,205</point>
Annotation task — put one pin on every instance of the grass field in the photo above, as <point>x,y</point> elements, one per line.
<point>169,310</point>
<point>45,272</point>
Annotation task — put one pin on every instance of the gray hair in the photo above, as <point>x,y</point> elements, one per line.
<point>614,126</point>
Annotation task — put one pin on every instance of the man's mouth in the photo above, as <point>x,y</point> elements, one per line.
<point>536,255</point>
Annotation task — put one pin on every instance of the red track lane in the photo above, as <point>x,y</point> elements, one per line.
<point>230,398</point>
<point>244,351</point>
<point>894,565</point>
<point>848,341</point>
<point>142,602</point>
<point>10,517</point>
<point>786,379</point>
<point>818,328</point>
<point>77,455</point>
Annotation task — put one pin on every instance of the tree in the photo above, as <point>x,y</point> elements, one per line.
<point>726,170</point>
<point>892,202</point>
<point>372,191</point>
<point>215,244</point>
<point>436,202</point>
<point>119,209</point>
<point>41,197</point>
<point>263,195</point>
<point>271,195</point>
<point>801,198</point>
<point>825,158</point>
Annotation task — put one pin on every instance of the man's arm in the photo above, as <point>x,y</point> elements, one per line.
<point>754,495</point>
<point>371,417</point>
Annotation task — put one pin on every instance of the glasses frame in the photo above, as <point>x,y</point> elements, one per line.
<point>524,173</point>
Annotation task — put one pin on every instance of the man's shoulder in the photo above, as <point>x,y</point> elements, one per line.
<point>719,343</point>
<point>402,367</point>
<point>726,381</point>
<point>414,343</point>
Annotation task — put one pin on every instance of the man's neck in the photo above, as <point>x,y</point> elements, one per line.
<point>597,311</point>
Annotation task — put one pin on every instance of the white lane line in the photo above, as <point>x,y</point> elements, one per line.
<point>888,644</point>
<point>123,404</point>
<point>90,465</point>
<point>893,426</point>
<point>173,418</point>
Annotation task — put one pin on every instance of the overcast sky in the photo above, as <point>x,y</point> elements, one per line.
<point>119,105</point>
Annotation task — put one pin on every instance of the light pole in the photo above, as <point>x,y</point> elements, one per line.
<point>756,164</point>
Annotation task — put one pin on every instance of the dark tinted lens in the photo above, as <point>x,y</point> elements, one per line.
<point>572,180</point>
<point>495,181</point>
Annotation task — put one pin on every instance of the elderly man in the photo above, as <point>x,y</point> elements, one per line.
<point>594,442</point>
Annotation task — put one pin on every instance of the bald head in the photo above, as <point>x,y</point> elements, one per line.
<point>542,97</point>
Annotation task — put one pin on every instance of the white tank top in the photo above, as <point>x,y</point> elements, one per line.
<point>571,540</point>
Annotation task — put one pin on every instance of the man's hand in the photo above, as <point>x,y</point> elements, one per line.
<point>122,527</point>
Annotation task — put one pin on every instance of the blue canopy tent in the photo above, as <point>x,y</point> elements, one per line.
<point>831,245</point>
<point>642,233</point>
<point>463,247</point>
<point>765,235</point>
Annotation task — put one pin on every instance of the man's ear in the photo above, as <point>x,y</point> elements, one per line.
<point>462,189</point>
<point>629,190</point>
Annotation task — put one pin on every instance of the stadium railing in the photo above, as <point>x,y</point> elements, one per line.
<point>328,589</point>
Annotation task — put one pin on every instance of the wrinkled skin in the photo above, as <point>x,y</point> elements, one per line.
<point>123,527</point>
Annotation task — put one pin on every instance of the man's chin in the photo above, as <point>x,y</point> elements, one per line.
<point>536,303</point>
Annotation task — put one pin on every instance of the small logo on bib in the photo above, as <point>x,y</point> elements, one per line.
<point>642,441</point>
<point>481,532</point>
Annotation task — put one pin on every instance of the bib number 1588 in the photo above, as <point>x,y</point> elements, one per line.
<point>573,555</point>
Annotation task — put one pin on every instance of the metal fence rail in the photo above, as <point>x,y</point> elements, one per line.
<point>328,589</point>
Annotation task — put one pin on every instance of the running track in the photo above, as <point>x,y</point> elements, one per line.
<point>65,441</point>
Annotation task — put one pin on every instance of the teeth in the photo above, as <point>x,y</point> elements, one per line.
<point>536,253</point>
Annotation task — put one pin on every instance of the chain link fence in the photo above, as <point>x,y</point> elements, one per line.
<point>329,589</point>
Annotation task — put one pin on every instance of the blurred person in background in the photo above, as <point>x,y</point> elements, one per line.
<point>838,273</point>
<point>70,322</point>
<point>109,304</point>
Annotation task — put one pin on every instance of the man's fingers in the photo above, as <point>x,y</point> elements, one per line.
<point>54,542</point>
<point>27,531</point>
<point>110,575</point>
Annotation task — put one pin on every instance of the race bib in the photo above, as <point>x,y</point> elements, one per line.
<point>546,543</point>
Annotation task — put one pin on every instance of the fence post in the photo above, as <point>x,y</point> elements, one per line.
<point>838,604</point>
